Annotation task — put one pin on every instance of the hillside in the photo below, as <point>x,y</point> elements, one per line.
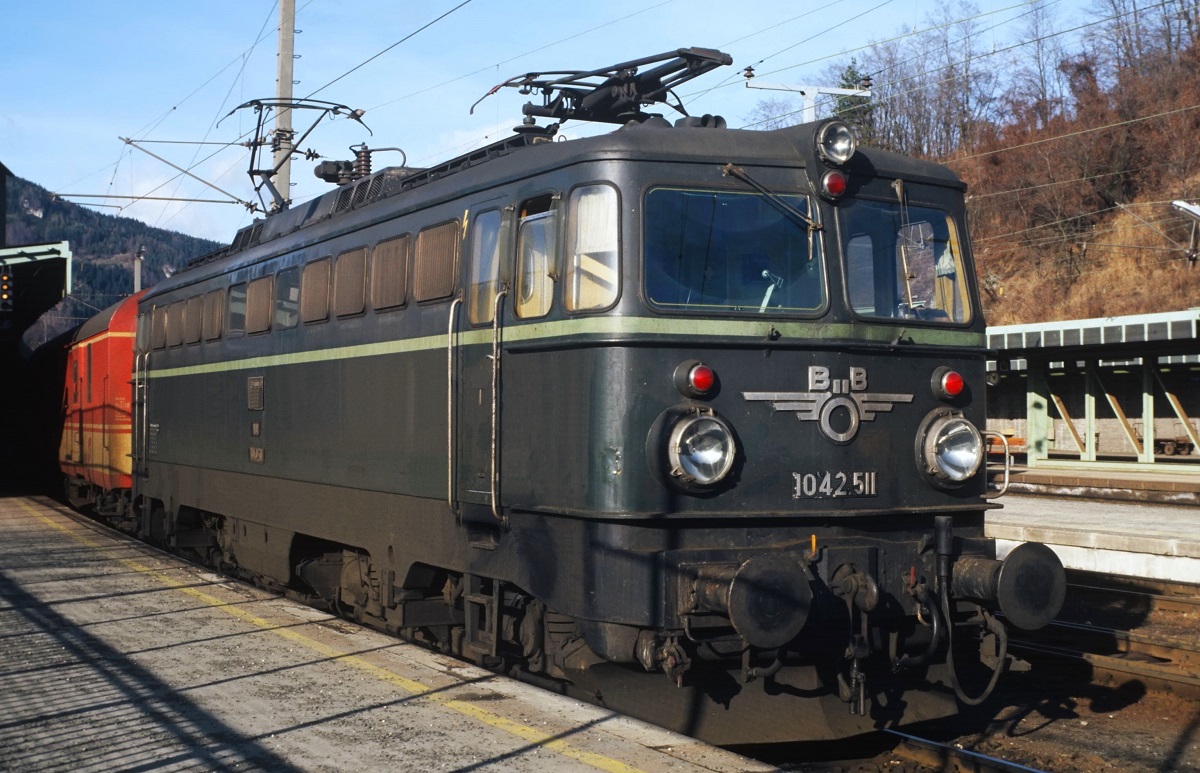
<point>1072,146</point>
<point>103,246</point>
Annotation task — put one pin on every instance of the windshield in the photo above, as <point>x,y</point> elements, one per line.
<point>726,251</point>
<point>904,263</point>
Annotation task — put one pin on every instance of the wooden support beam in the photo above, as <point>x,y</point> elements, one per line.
<point>1062,412</point>
<point>1178,407</point>
<point>1120,414</point>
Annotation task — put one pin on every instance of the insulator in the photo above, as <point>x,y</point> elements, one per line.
<point>362,161</point>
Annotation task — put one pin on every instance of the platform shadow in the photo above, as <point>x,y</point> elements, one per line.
<point>147,724</point>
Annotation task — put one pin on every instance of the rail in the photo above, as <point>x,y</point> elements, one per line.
<point>941,756</point>
<point>1162,662</point>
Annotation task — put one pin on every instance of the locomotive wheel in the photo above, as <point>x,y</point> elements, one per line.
<point>1169,448</point>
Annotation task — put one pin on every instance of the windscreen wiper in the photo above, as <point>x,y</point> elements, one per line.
<point>729,170</point>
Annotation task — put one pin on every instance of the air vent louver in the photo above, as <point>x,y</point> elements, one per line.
<point>376,187</point>
<point>343,200</point>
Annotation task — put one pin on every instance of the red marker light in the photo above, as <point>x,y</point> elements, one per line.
<point>952,384</point>
<point>702,378</point>
<point>834,183</point>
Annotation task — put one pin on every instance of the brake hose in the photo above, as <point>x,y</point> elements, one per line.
<point>944,549</point>
<point>994,625</point>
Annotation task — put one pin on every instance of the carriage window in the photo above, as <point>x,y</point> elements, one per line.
<point>214,307</point>
<point>591,274</point>
<point>389,273</point>
<point>536,241</point>
<point>175,323</point>
<point>158,327</point>
<point>723,251</point>
<point>259,305</point>
<point>904,264</point>
<point>143,333</point>
<point>287,298</point>
<point>436,261</point>
<point>237,308</point>
<point>314,291</point>
<point>192,317</point>
<point>485,267</point>
<point>350,283</point>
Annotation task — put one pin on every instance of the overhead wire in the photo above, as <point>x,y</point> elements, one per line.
<point>262,34</point>
<point>727,80</point>
<point>1079,133</point>
<point>407,37</point>
<point>125,149</point>
<point>909,34</point>
<point>967,60</point>
<point>915,33</point>
<point>522,56</point>
<point>195,163</point>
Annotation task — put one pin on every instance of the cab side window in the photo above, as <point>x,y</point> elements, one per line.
<point>537,233</point>
<point>484,266</point>
<point>592,273</point>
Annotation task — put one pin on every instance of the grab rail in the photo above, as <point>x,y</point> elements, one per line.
<point>450,478</point>
<point>1007,465</point>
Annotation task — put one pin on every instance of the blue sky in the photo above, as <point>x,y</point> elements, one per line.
<point>77,74</point>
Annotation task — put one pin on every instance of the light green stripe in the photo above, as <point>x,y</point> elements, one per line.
<point>690,328</point>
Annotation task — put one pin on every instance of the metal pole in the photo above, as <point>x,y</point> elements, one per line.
<point>283,90</point>
<point>137,269</point>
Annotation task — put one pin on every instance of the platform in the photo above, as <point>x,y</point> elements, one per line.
<point>114,655</point>
<point>1129,485</point>
<point>1155,541</point>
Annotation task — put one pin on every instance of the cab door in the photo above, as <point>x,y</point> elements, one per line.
<point>474,409</point>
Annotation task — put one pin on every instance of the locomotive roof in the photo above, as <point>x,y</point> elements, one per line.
<point>528,153</point>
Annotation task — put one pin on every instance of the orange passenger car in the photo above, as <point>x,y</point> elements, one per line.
<point>95,451</point>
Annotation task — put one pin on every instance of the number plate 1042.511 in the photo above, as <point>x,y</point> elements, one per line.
<point>833,485</point>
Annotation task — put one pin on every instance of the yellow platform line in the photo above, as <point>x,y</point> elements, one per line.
<point>524,732</point>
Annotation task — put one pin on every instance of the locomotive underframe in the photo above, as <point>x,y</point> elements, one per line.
<point>589,627</point>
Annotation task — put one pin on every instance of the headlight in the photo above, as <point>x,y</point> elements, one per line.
<point>701,449</point>
<point>836,142</point>
<point>952,450</point>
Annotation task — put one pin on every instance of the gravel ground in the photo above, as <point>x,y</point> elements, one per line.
<point>1088,730</point>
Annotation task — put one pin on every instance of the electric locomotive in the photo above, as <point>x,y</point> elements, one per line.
<point>681,416</point>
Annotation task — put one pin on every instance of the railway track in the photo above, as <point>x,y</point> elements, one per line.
<point>1123,629</point>
<point>942,756</point>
